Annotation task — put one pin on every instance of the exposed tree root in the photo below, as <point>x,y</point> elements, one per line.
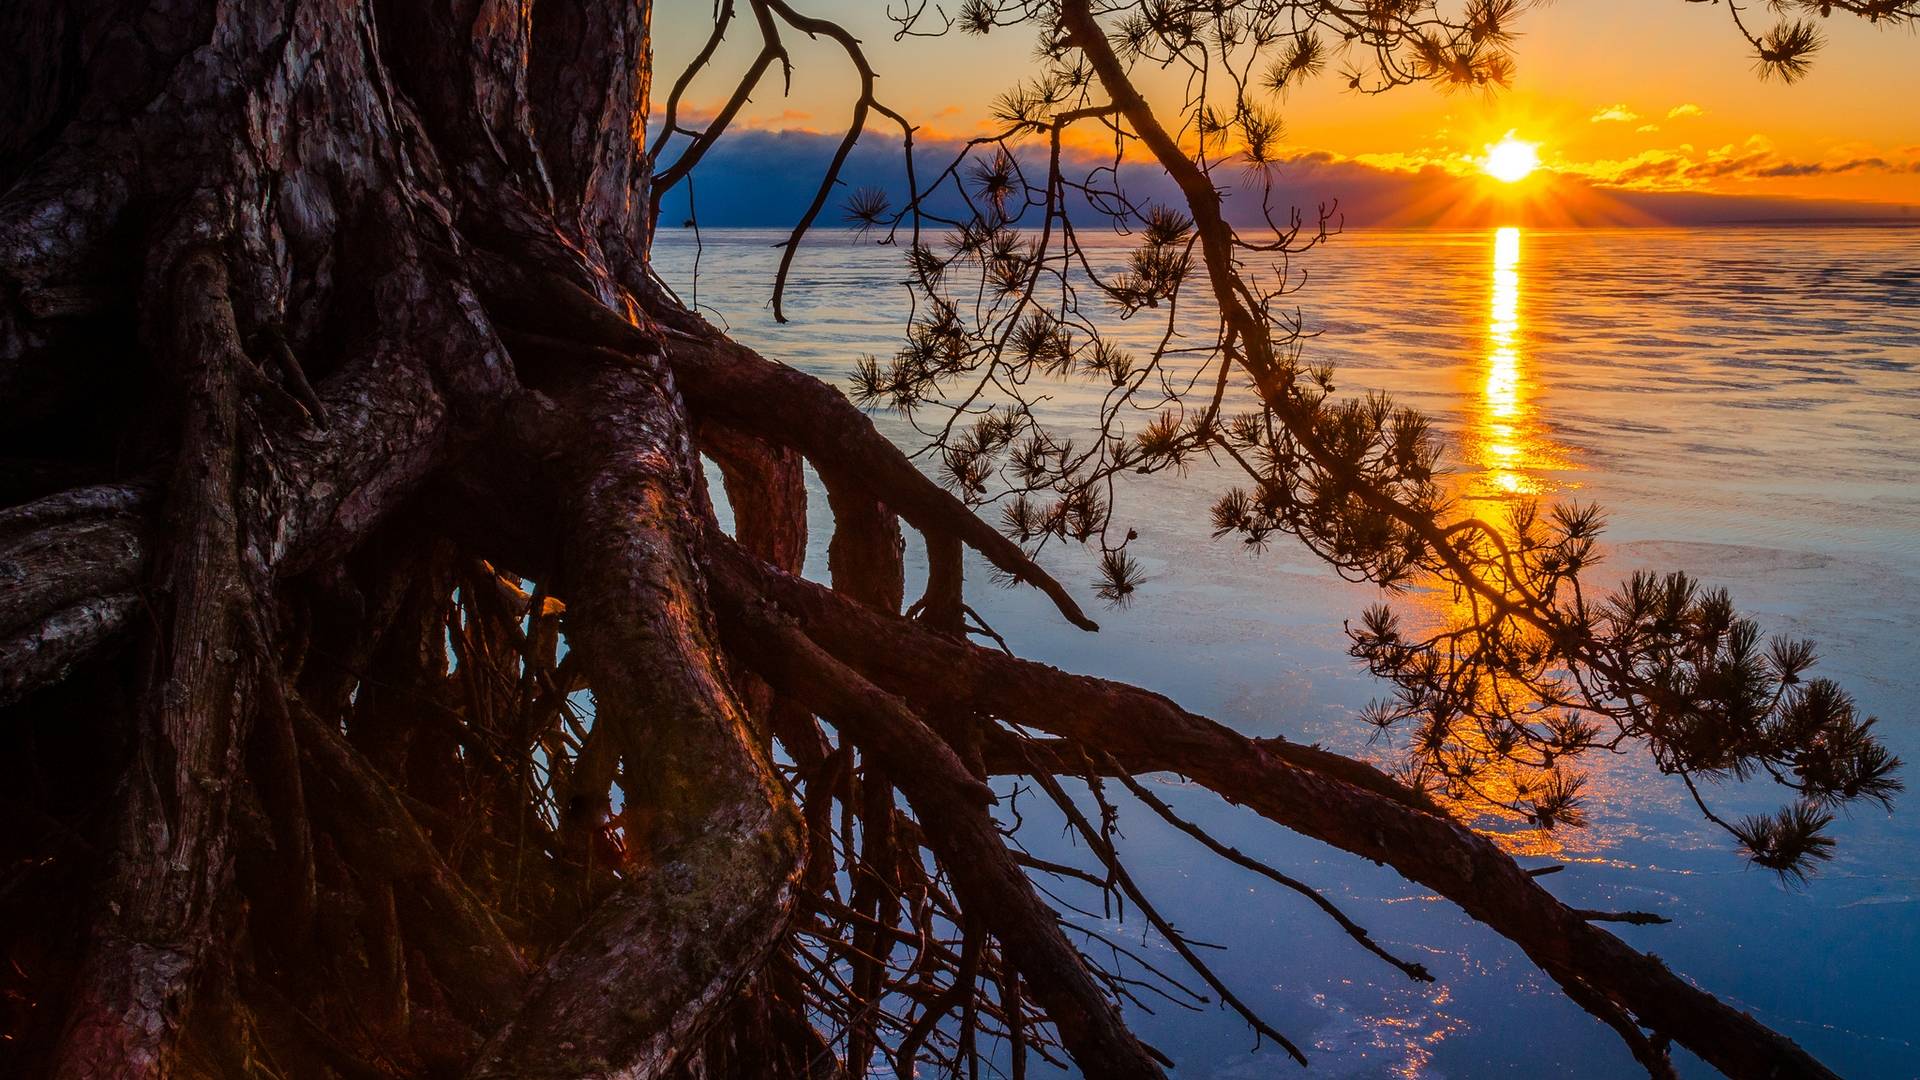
<point>712,868</point>
<point>1145,732</point>
<point>174,849</point>
<point>952,809</point>
<point>379,696</point>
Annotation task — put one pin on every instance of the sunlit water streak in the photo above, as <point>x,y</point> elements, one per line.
<point>1513,447</point>
<point>1507,455</point>
<point>1501,454</point>
<point>1746,404</point>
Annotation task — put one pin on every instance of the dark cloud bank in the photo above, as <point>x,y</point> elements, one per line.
<point>757,178</point>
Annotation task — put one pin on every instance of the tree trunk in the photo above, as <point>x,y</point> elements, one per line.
<point>378,696</point>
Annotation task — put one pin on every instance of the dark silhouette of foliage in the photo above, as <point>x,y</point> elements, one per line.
<point>1536,672</point>
<point>381,697</point>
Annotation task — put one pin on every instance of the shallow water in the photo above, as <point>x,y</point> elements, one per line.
<point>1746,405</point>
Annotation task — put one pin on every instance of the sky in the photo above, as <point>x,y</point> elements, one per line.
<point>1642,111</point>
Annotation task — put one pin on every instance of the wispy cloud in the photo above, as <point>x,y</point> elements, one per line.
<point>1412,161</point>
<point>1687,109</point>
<point>1831,168</point>
<point>1647,127</point>
<point>1686,169</point>
<point>697,115</point>
<point>1614,113</point>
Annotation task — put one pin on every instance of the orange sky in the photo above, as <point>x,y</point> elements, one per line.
<point>1650,94</point>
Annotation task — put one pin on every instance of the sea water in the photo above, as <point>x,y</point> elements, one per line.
<point>1744,402</point>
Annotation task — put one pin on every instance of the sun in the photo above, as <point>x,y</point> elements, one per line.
<point>1511,160</point>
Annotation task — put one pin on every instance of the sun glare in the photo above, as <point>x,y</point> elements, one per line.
<point>1511,160</point>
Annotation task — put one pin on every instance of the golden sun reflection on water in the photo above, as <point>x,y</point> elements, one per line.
<point>1500,451</point>
<point>1508,454</point>
<point>1505,436</point>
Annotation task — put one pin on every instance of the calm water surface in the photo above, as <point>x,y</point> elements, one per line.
<point>1745,403</point>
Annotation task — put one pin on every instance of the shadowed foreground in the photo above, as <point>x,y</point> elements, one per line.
<point>355,451</point>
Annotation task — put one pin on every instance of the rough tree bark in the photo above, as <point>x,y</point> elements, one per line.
<point>378,696</point>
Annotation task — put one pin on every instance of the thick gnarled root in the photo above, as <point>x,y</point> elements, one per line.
<point>381,699</point>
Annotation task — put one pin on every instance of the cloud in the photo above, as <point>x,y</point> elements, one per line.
<point>1647,127</point>
<point>1683,169</point>
<point>1615,113</point>
<point>1688,109</point>
<point>1817,168</point>
<point>1661,169</point>
<point>1409,160</point>
<point>696,115</point>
